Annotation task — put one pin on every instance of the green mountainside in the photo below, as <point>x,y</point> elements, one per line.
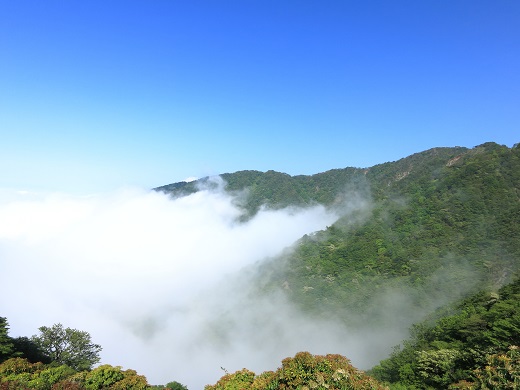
<point>431,240</point>
<point>442,223</point>
<point>276,190</point>
<point>476,338</point>
<point>449,214</point>
<point>414,239</point>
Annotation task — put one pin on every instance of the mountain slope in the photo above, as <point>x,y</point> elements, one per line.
<point>455,341</point>
<point>277,190</point>
<point>436,231</point>
<point>424,230</point>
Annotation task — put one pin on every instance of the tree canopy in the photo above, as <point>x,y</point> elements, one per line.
<point>303,371</point>
<point>6,343</point>
<point>68,346</point>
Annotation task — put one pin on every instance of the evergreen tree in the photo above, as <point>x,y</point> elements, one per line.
<point>6,343</point>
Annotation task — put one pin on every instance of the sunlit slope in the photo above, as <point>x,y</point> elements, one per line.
<point>435,232</point>
<point>432,227</point>
<point>277,190</point>
<point>456,340</point>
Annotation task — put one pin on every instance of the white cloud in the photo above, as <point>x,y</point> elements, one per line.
<point>147,276</point>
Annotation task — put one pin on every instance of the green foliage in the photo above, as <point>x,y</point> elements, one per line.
<point>15,366</point>
<point>71,346</point>
<point>304,371</point>
<point>19,346</point>
<point>445,211</point>
<point>176,386</point>
<point>18,373</point>
<point>28,349</point>
<point>132,381</point>
<point>330,371</point>
<point>73,382</point>
<point>276,190</point>
<point>456,341</point>
<point>46,378</point>
<point>441,224</point>
<point>501,371</point>
<point>239,380</point>
<point>6,343</point>
<point>110,377</point>
<point>103,376</point>
<point>437,368</point>
<point>68,346</point>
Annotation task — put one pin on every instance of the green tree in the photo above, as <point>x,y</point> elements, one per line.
<point>436,368</point>
<point>110,377</point>
<point>28,349</point>
<point>303,371</point>
<point>501,371</point>
<point>239,380</point>
<point>16,373</point>
<point>176,386</point>
<point>458,339</point>
<point>68,346</point>
<point>6,343</point>
<point>48,376</point>
<point>103,377</point>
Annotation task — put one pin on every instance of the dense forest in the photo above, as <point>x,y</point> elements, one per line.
<point>447,219</point>
<point>443,220</point>
<point>419,236</point>
<point>433,237</point>
<point>473,340</point>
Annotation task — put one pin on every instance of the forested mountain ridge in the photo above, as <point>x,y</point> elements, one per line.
<point>431,239</point>
<point>426,210</point>
<point>276,190</point>
<point>444,215</point>
<point>435,227</point>
<point>419,172</point>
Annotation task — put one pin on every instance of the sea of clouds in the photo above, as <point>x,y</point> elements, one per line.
<point>167,285</point>
<point>154,280</point>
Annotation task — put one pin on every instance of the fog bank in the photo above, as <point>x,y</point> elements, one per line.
<point>147,276</point>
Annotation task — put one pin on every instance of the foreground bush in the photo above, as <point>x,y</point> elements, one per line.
<point>502,371</point>
<point>18,373</point>
<point>304,371</point>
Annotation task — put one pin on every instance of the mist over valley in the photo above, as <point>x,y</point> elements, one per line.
<point>259,195</point>
<point>248,268</point>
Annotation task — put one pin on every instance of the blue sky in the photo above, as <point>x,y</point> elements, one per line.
<point>95,95</point>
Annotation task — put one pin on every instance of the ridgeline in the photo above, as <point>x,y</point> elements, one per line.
<point>431,240</point>
<point>420,236</point>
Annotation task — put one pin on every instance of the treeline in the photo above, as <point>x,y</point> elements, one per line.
<point>62,359</point>
<point>277,190</point>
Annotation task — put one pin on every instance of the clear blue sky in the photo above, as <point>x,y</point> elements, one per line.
<point>95,95</point>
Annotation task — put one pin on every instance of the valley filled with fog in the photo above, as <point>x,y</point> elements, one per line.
<point>156,280</point>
